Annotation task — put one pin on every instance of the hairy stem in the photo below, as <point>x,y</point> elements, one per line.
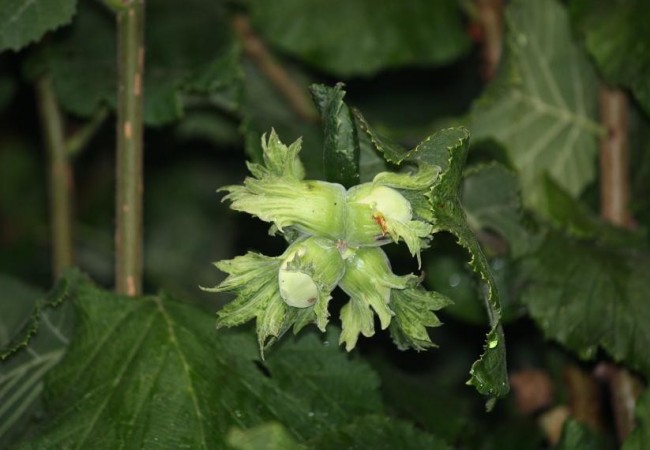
<point>128,234</point>
<point>614,205</point>
<point>61,181</point>
<point>296,95</point>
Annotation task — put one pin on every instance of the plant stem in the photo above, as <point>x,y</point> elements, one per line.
<point>78,141</point>
<point>614,205</point>
<point>490,17</point>
<point>130,63</point>
<point>614,158</point>
<point>61,181</point>
<point>254,47</point>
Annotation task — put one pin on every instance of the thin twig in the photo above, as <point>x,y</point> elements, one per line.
<point>128,233</point>
<point>295,94</point>
<point>78,141</point>
<point>614,205</point>
<point>61,180</point>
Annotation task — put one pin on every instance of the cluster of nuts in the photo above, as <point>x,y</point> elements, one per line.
<point>335,238</point>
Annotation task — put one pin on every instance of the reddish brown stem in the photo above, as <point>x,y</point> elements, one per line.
<point>295,94</point>
<point>490,17</point>
<point>614,158</point>
<point>614,204</point>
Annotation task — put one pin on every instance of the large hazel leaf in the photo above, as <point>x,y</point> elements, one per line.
<point>370,432</point>
<point>151,372</point>
<point>341,146</point>
<point>27,320</point>
<point>587,296</point>
<point>617,36</point>
<point>25,21</point>
<point>447,150</point>
<point>362,37</point>
<point>542,105</point>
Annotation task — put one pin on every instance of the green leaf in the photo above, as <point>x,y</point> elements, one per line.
<point>542,105</point>
<point>178,59</point>
<point>639,439</point>
<point>577,436</point>
<point>370,432</point>
<point>362,37</point>
<point>149,371</point>
<point>490,198</point>
<point>32,323</point>
<point>577,220</point>
<point>25,21</point>
<point>341,145</point>
<point>377,433</point>
<point>413,314</point>
<point>618,38</point>
<point>268,436</point>
<point>587,296</point>
<point>447,150</point>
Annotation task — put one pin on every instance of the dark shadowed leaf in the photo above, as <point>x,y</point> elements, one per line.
<point>355,37</point>
<point>577,436</point>
<point>179,59</point>
<point>491,201</point>
<point>377,433</point>
<point>23,311</point>
<point>617,36</point>
<point>25,21</point>
<point>587,296</point>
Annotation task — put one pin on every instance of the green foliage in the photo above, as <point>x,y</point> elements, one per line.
<point>491,201</point>
<point>24,312</point>
<point>170,361</point>
<point>595,298</point>
<point>385,35</point>
<point>152,372</point>
<point>440,206</point>
<point>268,436</point>
<point>186,64</point>
<point>617,37</point>
<point>377,432</point>
<point>640,438</point>
<point>23,22</point>
<point>341,145</point>
<point>542,105</point>
<point>576,436</point>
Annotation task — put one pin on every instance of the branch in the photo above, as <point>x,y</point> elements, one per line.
<point>614,158</point>
<point>297,96</point>
<point>614,205</point>
<point>78,141</point>
<point>61,180</point>
<point>128,233</point>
